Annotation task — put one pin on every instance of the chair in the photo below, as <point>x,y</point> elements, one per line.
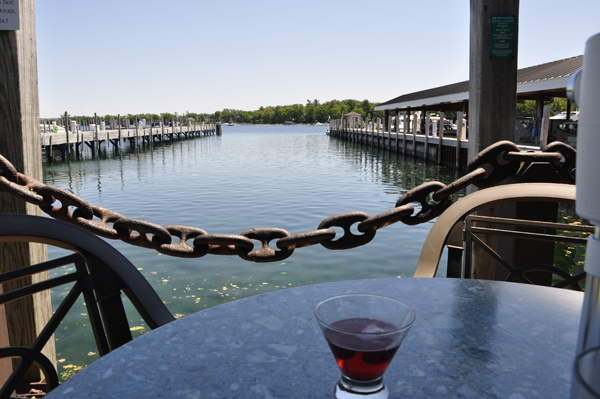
<point>100,274</point>
<point>455,229</point>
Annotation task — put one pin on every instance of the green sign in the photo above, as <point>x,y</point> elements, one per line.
<point>502,37</point>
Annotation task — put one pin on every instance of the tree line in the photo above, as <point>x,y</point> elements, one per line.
<point>309,113</point>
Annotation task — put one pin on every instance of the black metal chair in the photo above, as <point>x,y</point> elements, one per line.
<point>455,229</point>
<point>101,273</point>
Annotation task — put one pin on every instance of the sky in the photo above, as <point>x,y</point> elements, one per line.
<point>129,57</point>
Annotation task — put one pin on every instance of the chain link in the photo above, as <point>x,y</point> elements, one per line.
<point>493,160</point>
<point>566,168</point>
<point>265,253</point>
<point>349,239</point>
<point>486,169</point>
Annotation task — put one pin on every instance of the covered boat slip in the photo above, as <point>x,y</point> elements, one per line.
<point>540,83</point>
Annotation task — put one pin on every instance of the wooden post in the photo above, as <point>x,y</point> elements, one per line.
<point>459,136</point>
<point>137,135</point>
<point>492,95</point>
<point>67,132</point>
<point>20,144</point>
<point>415,128</point>
<point>492,81</point>
<point>406,124</point>
<point>389,129</point>
<point>544,128</point>
<point>397,130</point>
<point>441,138</point>
<point>96,142</point>
<point>427,125</point>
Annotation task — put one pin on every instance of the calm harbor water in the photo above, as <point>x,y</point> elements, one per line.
<point>290,177</point>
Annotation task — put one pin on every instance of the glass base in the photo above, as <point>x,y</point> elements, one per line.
<point>348,388</point>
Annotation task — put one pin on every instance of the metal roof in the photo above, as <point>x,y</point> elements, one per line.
<point>549,79</point>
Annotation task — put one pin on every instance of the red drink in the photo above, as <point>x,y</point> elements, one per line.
<point>362,348</point>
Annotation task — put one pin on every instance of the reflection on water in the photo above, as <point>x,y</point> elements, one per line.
<point>290,177</point>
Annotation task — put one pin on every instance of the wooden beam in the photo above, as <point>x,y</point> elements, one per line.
<point>492,82</point>
<point>20,143</point>
<point>492,95</point>
<point>545,127</point>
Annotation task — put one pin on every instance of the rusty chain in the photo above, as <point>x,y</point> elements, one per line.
<point>488,168</point>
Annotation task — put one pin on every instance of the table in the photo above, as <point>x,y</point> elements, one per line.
<point>471,339</point>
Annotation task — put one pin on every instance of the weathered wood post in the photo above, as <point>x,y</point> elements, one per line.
<point>67,132</point>
<point>406,124</point>
<point>441,138</point>
<point>373,121</point>
<point>492,73</point>
<point>397,131</point>
<point>415,128</point>
<point>459,136</point>
<point>96,146</point>
<point>137,125</point>
<point>20,144</point>
<point>544,128</point>
<point>389,130</point>
<point>492,88</point>
<point>427,125</point>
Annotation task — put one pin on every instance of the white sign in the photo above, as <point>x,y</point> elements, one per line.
<point>9,14</point>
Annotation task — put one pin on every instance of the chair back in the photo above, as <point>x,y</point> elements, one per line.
<point>459,231</point>
<point>100,274</point>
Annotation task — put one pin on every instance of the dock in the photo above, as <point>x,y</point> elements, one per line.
<point>59,146</point>
<point>448,147</point>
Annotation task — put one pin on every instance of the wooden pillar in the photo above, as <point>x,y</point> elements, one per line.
<point>96,142</point>
<point>406,125</point>
<point>539,111</point>
<point>67,132</point>
<point>492,80</point>
<point>389,131</point>
<point>372,131</point>
<point>544,127</point>
<point>397,130</point>
<point>20,144</point>
<point>427,125</point>
<point>441,138</point>
<point>415,128</point>
<point>459,136</point>
<point>492,92</point>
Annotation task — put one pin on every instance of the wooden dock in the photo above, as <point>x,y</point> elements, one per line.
<point>62,145</point>
<point>449,148</point>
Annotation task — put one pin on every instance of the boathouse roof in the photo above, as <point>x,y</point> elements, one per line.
<point>549,79</point>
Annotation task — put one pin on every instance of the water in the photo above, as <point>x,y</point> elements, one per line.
<point>290,177</point>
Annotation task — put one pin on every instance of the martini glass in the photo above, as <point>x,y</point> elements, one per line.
<point>364,333</point>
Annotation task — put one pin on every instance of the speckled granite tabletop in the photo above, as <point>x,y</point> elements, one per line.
<point>471,339</point>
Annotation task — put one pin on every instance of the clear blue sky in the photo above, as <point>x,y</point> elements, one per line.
<point>154,56</point>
